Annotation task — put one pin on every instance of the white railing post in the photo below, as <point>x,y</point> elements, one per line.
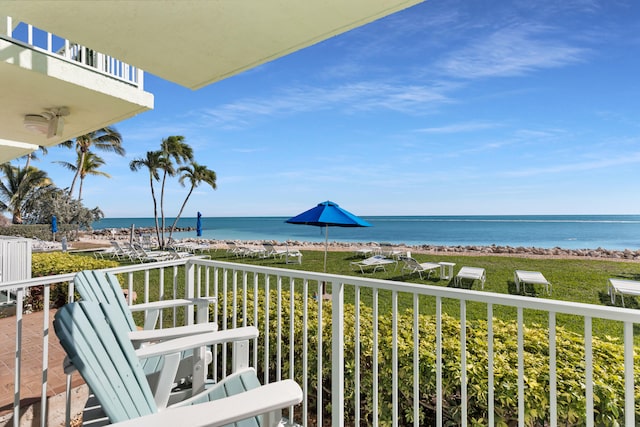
<point>100,62</point>
<point>189,288</point>
<point>18,366</point>
<point>439,392</point>
<point>521,408</point>
<point>490,366</point>
<point>7,28</point>
<point>45,356</point>
<point>140,79</point>
<point>553,389</point>
<point>337,354</point>
<point>394,357</point>
<point>588,365</point>
<point>629,388</point>
<point>463,363</point>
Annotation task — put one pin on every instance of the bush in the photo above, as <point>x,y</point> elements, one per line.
<point>52,263</point>
<point>608,365</point>
<point>40,231</point>
<point>49,264</point>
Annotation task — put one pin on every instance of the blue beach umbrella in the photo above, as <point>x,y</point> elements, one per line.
<point>199,225</point>
<point>328,214</point>
<point>54,226</point>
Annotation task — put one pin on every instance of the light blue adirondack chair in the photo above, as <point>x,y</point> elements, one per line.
<point>103,287</point>
<point>97,344</point>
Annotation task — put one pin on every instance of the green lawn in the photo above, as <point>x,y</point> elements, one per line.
<point>577,280</point>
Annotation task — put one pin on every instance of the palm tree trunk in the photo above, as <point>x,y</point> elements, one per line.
<point>164,178</point>
<point>80,189</point>
<point>173,226</point>
<point>75,177</point>
<point>17,217</point>
<point>155,207</point>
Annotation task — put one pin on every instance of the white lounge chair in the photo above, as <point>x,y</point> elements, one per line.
<point>244,251</point>
<point>471,273</point>
<point>375,262</point>
<point>368,251</point>
<point>530,277</point>
<point>120,252</point>
<point>388,250</point>
<point>623,287</point>
<point>272,251</point>
<point>234,249</point>
<point>413,266</point>
<point>293,256</point>
<point>143,255</point>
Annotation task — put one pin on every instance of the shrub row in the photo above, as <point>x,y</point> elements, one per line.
<point>608,365</point>
<point>52,263</point>
<point>40,231</point>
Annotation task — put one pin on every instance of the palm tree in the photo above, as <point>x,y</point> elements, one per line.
<point>106,139</point>
<point>87,164</point>
<point>152,161</point>
<point>172,149</point>
<point>33,156</point>
<point>195,174</point>
<point>17,187</point>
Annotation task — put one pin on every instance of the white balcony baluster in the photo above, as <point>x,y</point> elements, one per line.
<point>46,42</point>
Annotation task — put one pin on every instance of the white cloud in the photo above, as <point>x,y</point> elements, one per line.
<point>510,51</point>
<point>602,163</point>
<point>350,97</point>
<point>459,128</point>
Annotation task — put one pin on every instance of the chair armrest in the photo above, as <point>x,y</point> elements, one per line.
<point>228,410</point>
<point>195,341</point>
<point>152,309</point>
<point>171,333</point>
<point>156,305</point>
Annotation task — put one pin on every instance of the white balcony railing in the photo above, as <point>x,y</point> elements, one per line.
<point>83,56</point>
<point>373,377</point>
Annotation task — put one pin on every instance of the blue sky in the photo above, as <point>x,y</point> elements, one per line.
<point>447,108</point>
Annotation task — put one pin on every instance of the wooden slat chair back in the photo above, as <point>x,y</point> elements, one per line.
<point>99,286</point>
<point>106,359</point>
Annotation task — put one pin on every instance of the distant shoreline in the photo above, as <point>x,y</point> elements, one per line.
<point>99,237</point>
<point>615,232</point>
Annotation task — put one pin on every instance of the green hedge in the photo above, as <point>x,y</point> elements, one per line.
<point>40,231</point>
<point>53,263</point>
<point>608,365</point>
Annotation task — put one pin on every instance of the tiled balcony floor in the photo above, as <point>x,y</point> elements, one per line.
<point>32,350</point>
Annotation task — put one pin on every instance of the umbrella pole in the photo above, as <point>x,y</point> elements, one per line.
<point>326,245</point>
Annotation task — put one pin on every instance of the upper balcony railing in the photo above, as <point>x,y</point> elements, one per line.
<point>83,56</point>
<point>381,352</point>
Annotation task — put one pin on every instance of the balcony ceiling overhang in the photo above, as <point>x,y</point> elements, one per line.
<point>10,150</point>
<point>195,42</point>
<point>32,83</point>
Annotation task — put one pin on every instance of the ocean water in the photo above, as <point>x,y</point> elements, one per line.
<point>543,231</point>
